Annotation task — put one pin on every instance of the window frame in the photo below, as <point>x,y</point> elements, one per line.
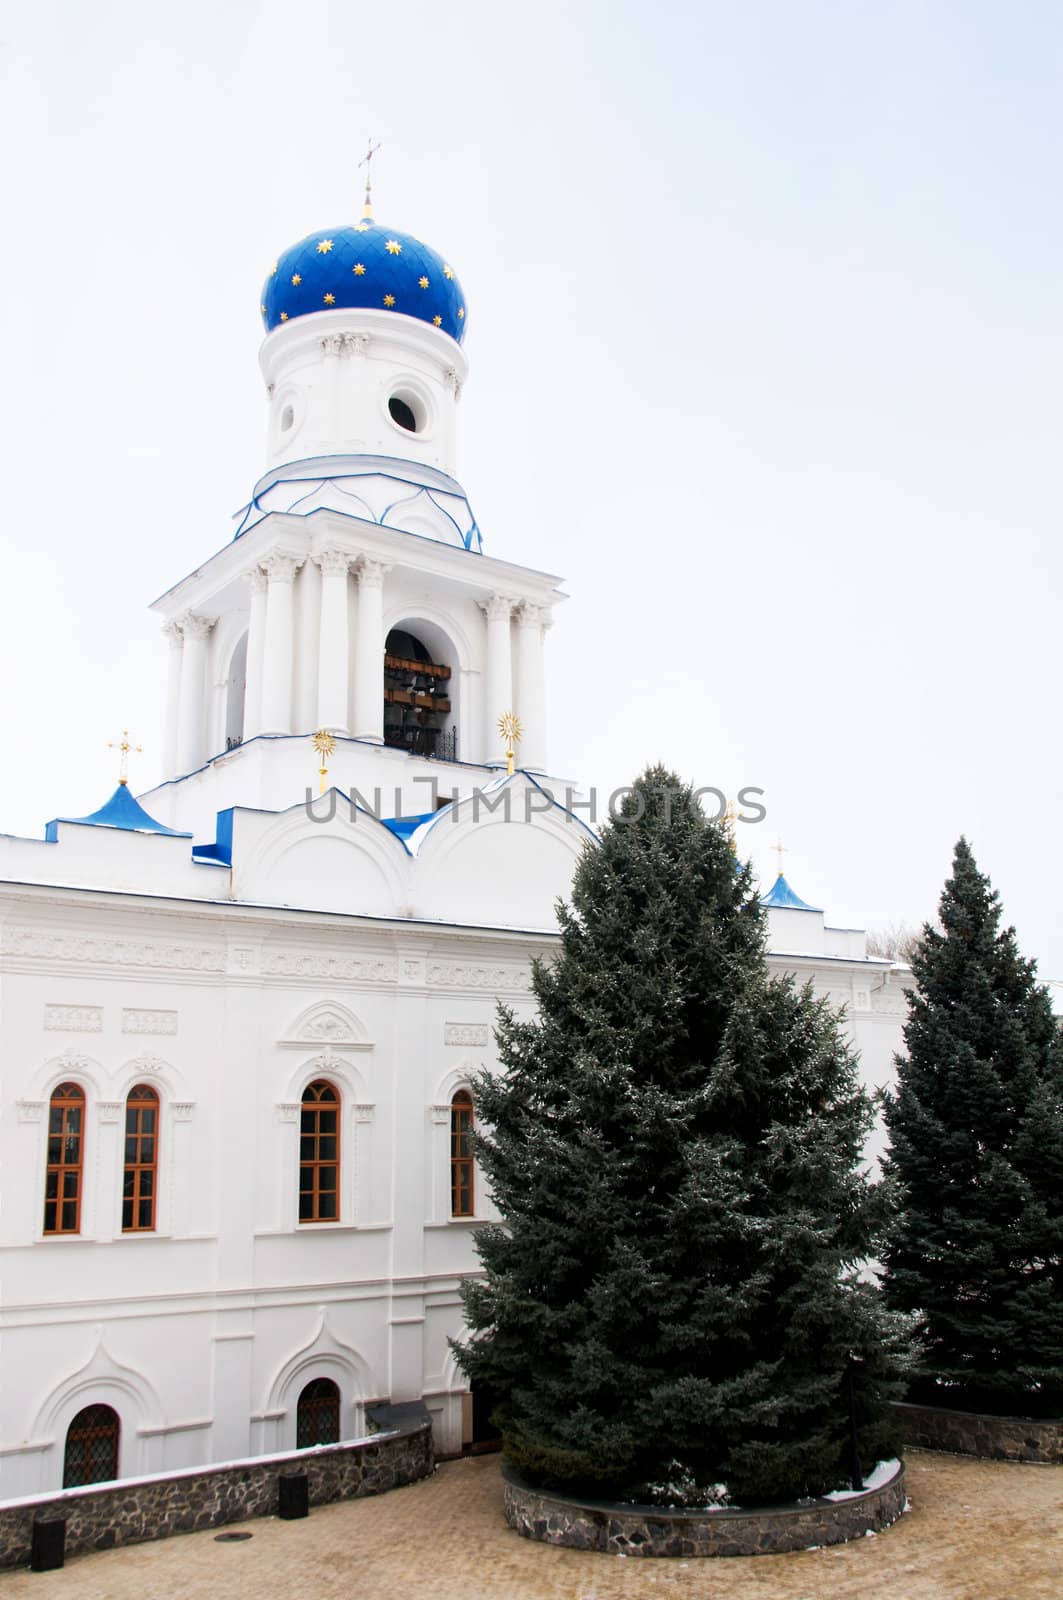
<point>141,1097</point>
<point>462,1160</point>
<point>66,1097</point>
<point>114,1432</point>
<point>318,1403</point>
<point>316,1163</point>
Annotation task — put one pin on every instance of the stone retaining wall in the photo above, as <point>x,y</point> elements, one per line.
<point>656,1531</point>
<point>973,1433</point>
<point>97,1518</point>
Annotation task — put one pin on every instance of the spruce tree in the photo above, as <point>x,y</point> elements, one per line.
<point>976,1129</point>
<point>674,1145</point>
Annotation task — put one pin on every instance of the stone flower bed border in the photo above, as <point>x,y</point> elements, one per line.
<point>975,1433</point>
<point>657,1531</point>
<point>99,1517</point>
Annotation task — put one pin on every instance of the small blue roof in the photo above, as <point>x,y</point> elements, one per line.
<point>781,894</point>
<point>121,811</point>
<point>364,264</point>
<point>403,827</point>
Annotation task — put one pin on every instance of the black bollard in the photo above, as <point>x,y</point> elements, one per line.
<point>293,1498</point>
<point>856,1471</point>
<point>47,1544</point>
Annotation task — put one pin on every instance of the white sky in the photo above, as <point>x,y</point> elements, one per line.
<point>765,331</point>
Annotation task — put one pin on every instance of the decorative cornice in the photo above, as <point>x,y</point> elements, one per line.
<point>304,964</point>
<point>345,344</point>
<point>135,1019</point>
<point>466,1033</point>
<point>458,975</point>
<point>29,944</point>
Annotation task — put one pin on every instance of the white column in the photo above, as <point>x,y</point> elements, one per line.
<point>532,622</point>
<point>173,697</point>
<point>333,668</point>
<point>369,653</point>
<point>278,663</point>
<point>192,715</point>
<point>256,649</point>
<point>498,688</point>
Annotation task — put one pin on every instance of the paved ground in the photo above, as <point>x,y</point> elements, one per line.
<point>977,1531</point>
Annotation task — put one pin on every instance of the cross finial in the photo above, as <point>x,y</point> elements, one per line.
<point>730,817</point>
<point>367,163</point>
<point>780,851</point>
<point>324,743</point>
<point>123,745</point>
<point>510,729</point>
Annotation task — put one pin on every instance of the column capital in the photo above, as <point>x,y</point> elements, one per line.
<point>333,561</point>
<point>499,608</point>
<point>194,627</point>
<point>257,579</point>
<point>282,566</point>
<point>533,616</point>
<point>371,574</point>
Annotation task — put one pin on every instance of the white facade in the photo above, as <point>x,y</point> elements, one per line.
<point>267,944</point>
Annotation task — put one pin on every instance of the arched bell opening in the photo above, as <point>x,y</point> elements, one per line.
<point>235,688</point>
<point>420,691</point>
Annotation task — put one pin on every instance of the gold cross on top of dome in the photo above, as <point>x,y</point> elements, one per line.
<point>780,851</point>
<point>126,749</point>
<point>367,163</point>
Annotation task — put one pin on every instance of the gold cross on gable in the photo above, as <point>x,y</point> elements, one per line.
<point>367,163</point>
<point>780,851</point>
<point>123,745</point>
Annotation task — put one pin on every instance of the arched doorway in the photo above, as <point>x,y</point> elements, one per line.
<point>317,1416</point>
<point>91,1454</point>
<point>419,711</point>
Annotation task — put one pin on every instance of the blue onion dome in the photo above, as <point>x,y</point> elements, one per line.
<point>364,264</point>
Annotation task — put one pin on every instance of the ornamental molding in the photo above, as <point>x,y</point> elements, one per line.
<point>172,632</point>
<point>330,1024</point>
<point>282,566</point>
<point>29,1110</point>
<point>194,627</point>
<point>371,574</point>
<point>136,1019</point>
<point>334,563</point>
<point>91,950</point>
<point>345,344</point>
<point>466,1033</point>
<point>453,382</point>
<point>345,969</point>
<point>288,1110</point>
<point>257,579</point>
<point>182,1110</point>
<point>457,975</point>
<point>498,608</point>
<point>363,1111</point>
<point>73,1019</point>
<point>108,1110</point>
<point>440,1113</point>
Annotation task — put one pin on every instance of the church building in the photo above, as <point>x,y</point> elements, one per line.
<point>240,1015</point>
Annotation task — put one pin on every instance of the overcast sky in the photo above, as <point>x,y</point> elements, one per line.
<point>765,333</point>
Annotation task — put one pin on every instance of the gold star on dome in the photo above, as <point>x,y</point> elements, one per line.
<point>297,279</point>
<point>330,299</point>
<point>358,270</point>
<point>448,272</point>
<point>284,316</point>
<point>273,270</point>
<point>423,283</point>
<point>263,308</point>
<point>461,313</point>
<point>363,227</point>
<point>389,300</point>
<point>393,247</point>
<point>324,246</point>
<point>437,322</point>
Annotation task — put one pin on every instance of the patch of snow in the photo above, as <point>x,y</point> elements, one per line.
<point>882,1473</point>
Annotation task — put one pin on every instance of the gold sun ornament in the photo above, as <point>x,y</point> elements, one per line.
<point>510,729</point>
<point>324,246</point>
<point>324,743</point>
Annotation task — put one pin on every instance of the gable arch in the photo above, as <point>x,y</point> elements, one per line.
<point>74,1066</point>
<point>160,1075</point>
<point>347,1077</point>
<point>345,863</point>
<point>328,1022</point>
<point>104,1380</point>
<point>323,1355</point>
<point>456,1077</point>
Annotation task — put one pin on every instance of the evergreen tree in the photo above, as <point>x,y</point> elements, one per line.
<point>674,1146</point>
<point>976,1128</point>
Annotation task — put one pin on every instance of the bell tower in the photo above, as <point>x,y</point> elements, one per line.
<point>355,597</point>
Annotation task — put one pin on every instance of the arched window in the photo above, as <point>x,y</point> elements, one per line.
<point>141,1160</point>
<point>91,1447</point>
<point>318,1414</point>
<point>62,1184</point>
<point>418,710</point>
<point>461,1176</point>
<point>319,1154</point>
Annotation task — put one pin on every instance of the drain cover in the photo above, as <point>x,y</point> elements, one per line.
<point>231,1538</point>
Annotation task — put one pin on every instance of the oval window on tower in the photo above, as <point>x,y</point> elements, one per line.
<point>403,414</point>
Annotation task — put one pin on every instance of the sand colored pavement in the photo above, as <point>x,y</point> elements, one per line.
<point>977,1530</point>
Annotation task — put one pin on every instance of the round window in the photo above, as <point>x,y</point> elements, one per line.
<point>287,418</point>
<point>403,414</point>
